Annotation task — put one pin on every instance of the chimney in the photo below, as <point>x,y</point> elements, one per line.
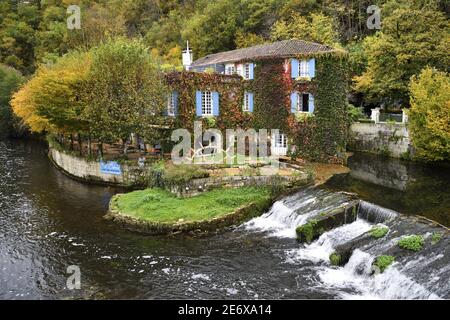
<point>187,57</point>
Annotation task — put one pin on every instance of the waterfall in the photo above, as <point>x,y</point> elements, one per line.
<point>391,284</point>
<point>287,214</point>
<point>375,214</point>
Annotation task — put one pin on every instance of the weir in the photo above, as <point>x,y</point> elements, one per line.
<point>342,225</point>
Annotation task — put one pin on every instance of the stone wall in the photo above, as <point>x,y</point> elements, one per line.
<point>380,138</point>
<point>89,171</point>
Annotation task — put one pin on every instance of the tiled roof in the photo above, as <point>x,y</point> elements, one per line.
<point>280,49</point>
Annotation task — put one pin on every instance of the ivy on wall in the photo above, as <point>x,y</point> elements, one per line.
<point>321,137</point>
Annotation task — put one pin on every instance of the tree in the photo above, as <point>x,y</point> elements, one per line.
<point>314,27</point>
<point>51,100</point>
<point>413,34</point>
<point>125,90</point>
<point>429,116</point>
<point>10,80</point>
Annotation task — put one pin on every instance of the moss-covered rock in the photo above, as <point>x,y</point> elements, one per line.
<point>335,259</point>
<point>436,237</point>
<point>413,243</point>
<point>308,231</point>
<point>382,262</point>
<point>378,232</point>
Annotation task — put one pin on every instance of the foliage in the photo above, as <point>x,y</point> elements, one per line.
<point>436,237</point>
<point>10,80</point>
<point>414,33</point>
<point>178,175</point>
<point>382,262</point>
<point>161,206</point>
<point>354,113</point>
<point>379,232</point>
<point>413,242</point>
<point>429,116</point>
<point>314,27</point>
<point>335,259</point>
<point>125,90</point>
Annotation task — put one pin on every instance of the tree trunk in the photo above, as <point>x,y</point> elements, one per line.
<point>89,145</point>
<point>100,149</point>
<point>80,143</point>
<point>71,141</point>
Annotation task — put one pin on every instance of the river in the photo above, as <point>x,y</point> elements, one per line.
<point>49,222</point>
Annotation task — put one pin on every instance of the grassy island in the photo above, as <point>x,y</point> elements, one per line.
<point>162,207</point>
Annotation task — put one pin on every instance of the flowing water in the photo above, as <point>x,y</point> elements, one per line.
<point>49,222</point>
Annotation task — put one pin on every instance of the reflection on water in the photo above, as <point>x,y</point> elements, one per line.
<point>403,186</point>
<point>49,221</point>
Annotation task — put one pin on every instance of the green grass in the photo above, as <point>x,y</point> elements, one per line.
<point>161,206</point>
<point>382,262</point>
<point>413,243</point>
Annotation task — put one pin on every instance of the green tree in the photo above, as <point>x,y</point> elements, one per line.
<point>414,33</point>
<point>10,81</point>
<point>314,27</point>
<point>429,116</point>
<point>126,92</point>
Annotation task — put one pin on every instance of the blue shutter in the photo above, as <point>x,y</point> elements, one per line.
<point>294,98</point>
<point>251,67</point>
<point>198,103</point>
<point>250,101</point>
<point>215,98</point>
<point>312,67</point>
<point>294,68</point>
<point>311,103</point>
<point>175,102</point>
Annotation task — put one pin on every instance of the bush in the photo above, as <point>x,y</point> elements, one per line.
<point>413,243</point>
<point>177,175</point>
<point>355,113</point>
<point>382,262</point>
<point>429,115</point>
<point>379,232</point>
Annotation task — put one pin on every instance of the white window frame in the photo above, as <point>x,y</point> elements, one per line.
<point>171,105</point>
<point>207,103</point>
<point>246,106</point>
<point>303,68</point>
<point>247,71</point>
<point>230,70</point>
<point>280,140</point>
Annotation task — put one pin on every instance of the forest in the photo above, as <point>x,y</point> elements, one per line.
<point>382,62</point>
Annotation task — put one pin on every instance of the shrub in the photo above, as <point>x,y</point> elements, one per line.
<point>429,114</point>
<point>413,243</point>
<point>382,262</point>
<point>355,113</point>
<point>181,174</point>
<point>379,232</point>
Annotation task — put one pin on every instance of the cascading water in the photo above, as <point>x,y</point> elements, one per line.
<point>373,213</point>
<point>285,215</point>
<point>413,276</point>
